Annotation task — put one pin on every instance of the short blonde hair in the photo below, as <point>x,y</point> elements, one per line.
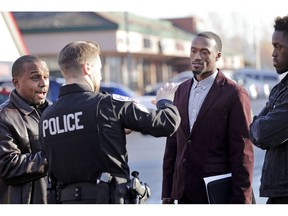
<point>75,54</point>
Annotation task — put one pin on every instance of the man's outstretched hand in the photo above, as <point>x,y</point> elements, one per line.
<point>166,92</point>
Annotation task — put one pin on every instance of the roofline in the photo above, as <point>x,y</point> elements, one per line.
<point>69,29</point>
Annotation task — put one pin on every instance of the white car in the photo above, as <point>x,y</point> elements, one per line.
<point>177,79</point>
<point>257,83</point>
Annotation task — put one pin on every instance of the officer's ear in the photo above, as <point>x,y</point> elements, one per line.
<point>87,68</point>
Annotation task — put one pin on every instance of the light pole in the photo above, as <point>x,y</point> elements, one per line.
<point>129,58</point>
<point>257,48</point>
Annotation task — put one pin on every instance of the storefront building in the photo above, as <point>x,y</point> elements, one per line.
<point>135,51</point>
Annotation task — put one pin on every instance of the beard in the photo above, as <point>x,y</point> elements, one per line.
<point>197,72</point>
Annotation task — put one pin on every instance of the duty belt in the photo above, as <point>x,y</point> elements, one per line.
<point>82,190</point>
<point>78,191</point>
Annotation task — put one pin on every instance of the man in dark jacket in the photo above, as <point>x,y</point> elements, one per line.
<point>213,137</point>
<point>84,130</point>
<point>269,128</point>
<point>23,166</point>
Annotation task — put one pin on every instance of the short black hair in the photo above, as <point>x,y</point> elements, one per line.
<point>213,36</point>
<point>18,65</point>
<point>281,24</point>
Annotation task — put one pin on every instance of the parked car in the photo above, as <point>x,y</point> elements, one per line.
<point>116,88</point>
<point>54,86</point>
<point>258,83</point>
<point>4,94</point>
<point>177,79</point>
<point>5,90</point>
<point>181,77</point>
<point>57,82</point>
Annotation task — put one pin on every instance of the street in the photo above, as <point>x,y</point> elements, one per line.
<point>146,154</point>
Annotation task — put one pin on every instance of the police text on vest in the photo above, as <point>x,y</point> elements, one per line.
<point>69,122</point>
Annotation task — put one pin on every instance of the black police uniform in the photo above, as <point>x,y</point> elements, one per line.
<point>84,140</point>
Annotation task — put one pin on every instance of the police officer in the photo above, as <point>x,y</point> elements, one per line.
<point>83,132</point>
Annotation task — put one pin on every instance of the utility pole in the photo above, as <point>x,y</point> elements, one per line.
<point>128,74</point>
<point>257,48</point>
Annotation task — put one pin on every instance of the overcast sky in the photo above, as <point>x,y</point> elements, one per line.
<point>151,8</point>
<point>225,17</point>
<point>231,12</point>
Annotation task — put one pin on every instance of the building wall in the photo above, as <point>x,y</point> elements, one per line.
<point>130,58</point>
<point>135,61</point>
<point>51,43</point>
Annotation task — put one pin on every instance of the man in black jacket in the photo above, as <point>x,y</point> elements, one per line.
<point>84,134</point>
<point>269,128</point>
<point>23,166</point>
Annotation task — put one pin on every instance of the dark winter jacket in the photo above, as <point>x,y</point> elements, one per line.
<point>269,132</point>
<point>23,166</point>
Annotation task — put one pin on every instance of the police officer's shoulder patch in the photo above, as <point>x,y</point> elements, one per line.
<point>142,107</point>
<point>121,98</point>
<point>129,99</point>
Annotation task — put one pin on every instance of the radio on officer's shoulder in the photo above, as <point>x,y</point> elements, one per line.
<point>139,192</point>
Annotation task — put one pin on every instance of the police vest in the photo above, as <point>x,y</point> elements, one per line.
<point>70,134</point>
